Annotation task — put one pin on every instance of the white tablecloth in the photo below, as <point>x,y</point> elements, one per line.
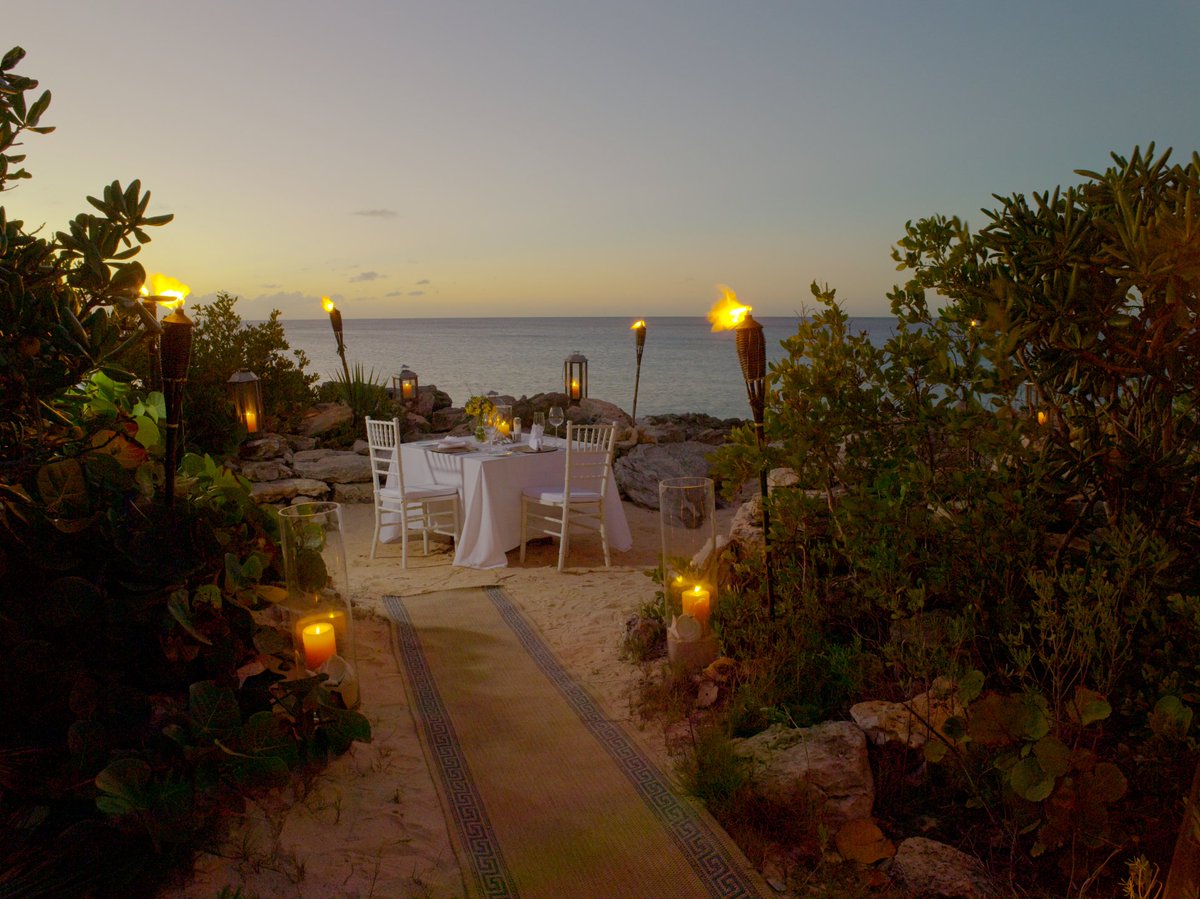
<point>489,489</point>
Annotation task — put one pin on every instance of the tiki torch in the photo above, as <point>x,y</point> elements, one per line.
<point>175,350</point>
<point>335,320</point>
<point>728,314</point>
<point>639,329</point>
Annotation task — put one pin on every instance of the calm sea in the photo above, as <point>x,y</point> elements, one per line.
<point>685,367</point>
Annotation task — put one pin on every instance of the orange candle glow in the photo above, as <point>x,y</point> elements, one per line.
<point>251,421</point>
<point>320,645</point>
<point>406,390</point>
<point>1042,417</point>
<point>574,388</point>
<point>696,602</point>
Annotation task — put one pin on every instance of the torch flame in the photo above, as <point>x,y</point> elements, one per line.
<point>727,312</point>
<point>637,324</point>
<point>327,304</point>
<point>164,286</point>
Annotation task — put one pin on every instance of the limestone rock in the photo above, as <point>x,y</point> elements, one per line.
<point>905,722</point>
<point>325,417</point>
<point>300,442</point>
<point>661,432</point>
<point>448,419</point>
<point>267,446</point>
<point>825,765</point>
<point>289,489</point>
<point>639,471</point>
<point>930,868</point>
<point>593,411</point>
<point>353,493</point>
<point>336,466</point>
<point>266,470</point>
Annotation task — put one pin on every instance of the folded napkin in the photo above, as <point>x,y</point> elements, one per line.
<point>448,442</point>
<point>535,437</point>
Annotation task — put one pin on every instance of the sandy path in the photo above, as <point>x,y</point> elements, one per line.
<point>371,823</point>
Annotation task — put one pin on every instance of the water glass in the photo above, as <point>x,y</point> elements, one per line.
<point>516,429</point>
<point>556,418</point>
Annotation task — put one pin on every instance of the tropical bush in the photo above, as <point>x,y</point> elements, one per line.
<point>1006,494</point>
<point>145,692</point>
<point>221,345</point>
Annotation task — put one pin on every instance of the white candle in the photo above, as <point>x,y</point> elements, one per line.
<point>696,602</point>
<point>320,644</point>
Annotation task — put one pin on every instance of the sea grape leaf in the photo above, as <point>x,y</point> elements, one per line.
<point>271,594</point>
<point>1108,784</point>
<point>87,745</point>
<point>63,489</point>
<point>1170,718</point>
<point>268,734</point>
<point>1053,755</point>
<point>124,785</point>
<point>970,686</point>
<point>310,570</point>
<point>344,727</point>
<point>69,601</point>
<point>1030,781</point>
<point>180,609</point>
<point>213,709</point>
<point>1088,706</point>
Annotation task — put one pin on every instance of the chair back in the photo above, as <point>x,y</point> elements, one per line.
<point>589,458</point>
<point>383,444</point>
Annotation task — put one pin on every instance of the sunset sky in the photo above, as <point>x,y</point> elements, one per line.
<point>570,158</point>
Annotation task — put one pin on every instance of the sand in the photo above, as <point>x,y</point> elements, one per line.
<point>371,823</point>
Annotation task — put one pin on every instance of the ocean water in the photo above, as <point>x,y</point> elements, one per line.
<point>685,366</point>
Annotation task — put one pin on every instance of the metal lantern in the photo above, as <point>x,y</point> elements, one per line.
<point>405,384</point>
<point>575,377</point>
<point>246,392</point>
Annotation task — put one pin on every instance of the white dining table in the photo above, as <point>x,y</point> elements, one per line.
<point>489,490</point>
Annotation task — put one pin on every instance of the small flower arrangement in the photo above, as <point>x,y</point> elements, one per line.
<point>479,407</point>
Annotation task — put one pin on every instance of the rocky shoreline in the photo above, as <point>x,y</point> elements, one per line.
<point>287,468</point>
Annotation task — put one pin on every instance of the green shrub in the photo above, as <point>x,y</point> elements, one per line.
<point>221,345</point>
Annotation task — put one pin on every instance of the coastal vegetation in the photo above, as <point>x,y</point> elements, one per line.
<point>1004,497</point>
<point>144,693</point>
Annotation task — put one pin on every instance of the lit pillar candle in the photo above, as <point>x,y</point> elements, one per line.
<point>320,644</point>
<point>251,421</point>
<point>574,388</point>
<point>406,390</point>
<point>696,602</point>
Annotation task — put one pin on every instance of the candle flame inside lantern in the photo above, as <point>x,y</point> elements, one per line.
<point>327,304</point>
<point>169,292</point>
<point>727,312</point>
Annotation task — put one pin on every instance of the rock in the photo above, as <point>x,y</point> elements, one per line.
<point>298,442</point>
<point>862,841</point>
<point>929,868</point>
<point>353,493</point>
<point>823,767</point>
<point>706,693</point>
<point>361,447</point>
<point>325,417</point>
<point>745,529</point>
<point>448,419</point>
<point>905,722</point>
<point>335,466</point>
<point>289,489</point>
<point>268,446</point>
<point>639,471</point>
<point>593,411</point>
<point>266,470</point>
<point>665,432</point>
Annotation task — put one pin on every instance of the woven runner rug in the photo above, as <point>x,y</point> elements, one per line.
<point>546,796</point>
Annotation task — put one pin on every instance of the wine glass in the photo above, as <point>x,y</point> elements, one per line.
<point>556,418</point>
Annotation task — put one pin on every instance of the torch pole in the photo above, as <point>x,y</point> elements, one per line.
<point>176,352</point>
<point>752,354</point>
<point>637,374</point>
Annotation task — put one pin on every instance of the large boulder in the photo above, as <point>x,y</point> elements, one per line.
<point>334,466</point>
<point>353,493</point>
<point>822,768</point>
<point>929,868</point>
<point>639,471</point>
<point>266,446</point>
<point>909,723</point>
<point>266,470</point>
<point>593,411</point>
<point>325,417</point>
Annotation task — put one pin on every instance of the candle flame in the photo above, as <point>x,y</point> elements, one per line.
<point>164,287</point>
<point>727,312</point>
<point>637,324</point>
<point>695,590</point>
<point>1042,417</point>
<point>327,304</point>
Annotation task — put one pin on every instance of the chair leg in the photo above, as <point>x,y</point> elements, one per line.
<point>604,539</point>
<point>404,537</point>
<point>564,538</point>
<point>524,522</point>
<point>375,539</point>
<point>425,526</point>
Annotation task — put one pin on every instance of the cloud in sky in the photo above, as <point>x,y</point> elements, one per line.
<point>376,213</point>
<point>394,293</point>
<point>366,276</point>
<point>423,281</point>
<point>416,293</point>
